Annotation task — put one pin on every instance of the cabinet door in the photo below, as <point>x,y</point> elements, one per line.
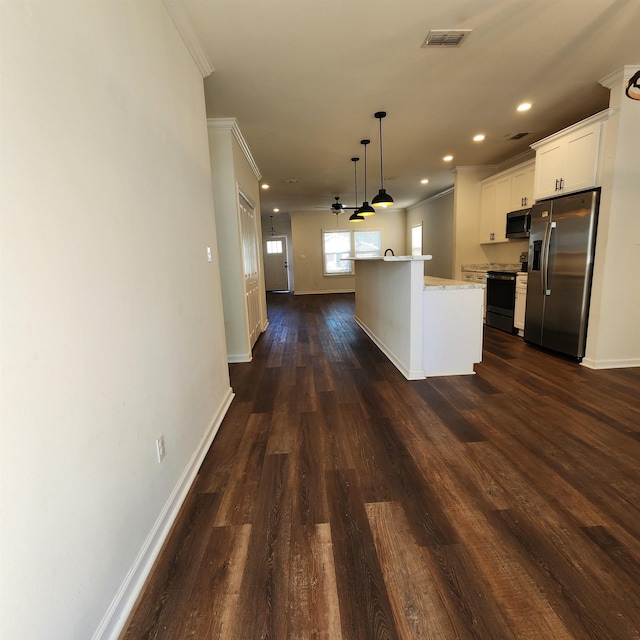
<point>522,188</point>
<point>487,212</point>
<point>503,206</point>
<point>549,168</point>
<point>581,166</point>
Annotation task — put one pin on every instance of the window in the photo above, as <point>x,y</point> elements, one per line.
<point>274,246</point>
<point>337,246</point>
<point>416,240</point>
<point>367,243</point>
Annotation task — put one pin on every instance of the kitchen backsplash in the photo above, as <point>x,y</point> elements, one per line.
<point>505,252</point>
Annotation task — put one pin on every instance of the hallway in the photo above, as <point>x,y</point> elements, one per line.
<point>339,500</point>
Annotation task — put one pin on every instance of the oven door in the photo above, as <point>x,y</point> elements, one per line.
<point>501,300</point>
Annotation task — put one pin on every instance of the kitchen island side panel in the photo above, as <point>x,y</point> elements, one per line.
<point>389,310</point>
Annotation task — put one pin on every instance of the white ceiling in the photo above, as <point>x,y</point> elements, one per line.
<point>304,78</point>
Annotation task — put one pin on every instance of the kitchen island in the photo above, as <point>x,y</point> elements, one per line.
<point>426,326</point>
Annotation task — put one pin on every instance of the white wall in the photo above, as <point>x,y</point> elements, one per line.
<point>436,216</point>
<point>306,233</point>
<point>466,196</point>
<point>112,329</point>
<point>613,339</point>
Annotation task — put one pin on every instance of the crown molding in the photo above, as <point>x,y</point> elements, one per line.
<point>601,116</point>
<point>231,124</point>
<point>181,18</point>
<point>620,75</point>
<point>437,196</point>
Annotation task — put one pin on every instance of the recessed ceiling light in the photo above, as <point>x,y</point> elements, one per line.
<point>525,106</point>
<point>265,186</point>
<point>479,137</point>
<point>424,181</point>
<point>448,158</point>
<point>276,210</point>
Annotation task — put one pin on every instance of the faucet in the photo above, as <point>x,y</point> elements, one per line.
<point>387,250</point>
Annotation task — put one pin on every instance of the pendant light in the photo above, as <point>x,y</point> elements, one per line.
<point>383,199</point>
<point>366,209</point>
<point>355,216</point>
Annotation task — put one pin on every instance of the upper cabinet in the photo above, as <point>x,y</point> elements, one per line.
<point>506,191</point>
<point>568,160</point>
<point>522,186</point>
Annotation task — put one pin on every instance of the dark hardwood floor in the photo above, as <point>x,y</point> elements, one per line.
<point>339,500</point>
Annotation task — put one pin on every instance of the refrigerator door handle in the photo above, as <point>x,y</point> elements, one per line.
<point>545,258</point>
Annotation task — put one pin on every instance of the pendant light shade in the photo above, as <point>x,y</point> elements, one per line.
<point>366,209</point>
<point>383,199</point>
<point>355,216</point>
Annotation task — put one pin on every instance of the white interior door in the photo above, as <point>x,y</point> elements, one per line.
<point>250,259</point>
<point>276,270</point>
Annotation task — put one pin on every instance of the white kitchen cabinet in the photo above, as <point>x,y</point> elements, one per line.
<point>522,183</point>
<point>479,277</point>
<point>506,191</point>
<point>521,303</point>
<point>487,211</point>
<point>568,161</point>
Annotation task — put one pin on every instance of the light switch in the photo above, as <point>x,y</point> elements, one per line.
<point>208,254</point>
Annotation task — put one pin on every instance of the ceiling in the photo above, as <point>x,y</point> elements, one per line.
<point>305,77</point>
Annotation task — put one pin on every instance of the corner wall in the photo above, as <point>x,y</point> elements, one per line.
<point>613,339</point>
<point>112,330</point>
<point>437,218</point>
<point>231,174</point>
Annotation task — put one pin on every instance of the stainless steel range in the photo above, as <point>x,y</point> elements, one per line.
<point>501,299</point>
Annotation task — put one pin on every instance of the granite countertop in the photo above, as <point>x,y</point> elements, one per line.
<point>492,266</point>
<point>431,282</point>
<point>393,258</point>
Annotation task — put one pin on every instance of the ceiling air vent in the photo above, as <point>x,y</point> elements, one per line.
<point>517,136</point>
<point>445,37</point>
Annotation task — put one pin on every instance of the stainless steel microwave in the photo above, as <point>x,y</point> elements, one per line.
<point>518,223</point>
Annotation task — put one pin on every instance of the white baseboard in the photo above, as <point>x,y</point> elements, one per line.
<point>309,293</point>
<point>409,374</point>
<point>125,599</point>
<point>239,357</point>
<point>610,364</point>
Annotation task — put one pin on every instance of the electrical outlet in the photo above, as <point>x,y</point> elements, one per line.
<point>160,448</point>
<point>209,254</point>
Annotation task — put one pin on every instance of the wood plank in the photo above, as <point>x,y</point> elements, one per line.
<point>365,611</point>
<point>413,593</point>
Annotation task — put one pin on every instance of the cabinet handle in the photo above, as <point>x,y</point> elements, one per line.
<point>526,201</point>
<point>561,184</point>
<point>557,181</point>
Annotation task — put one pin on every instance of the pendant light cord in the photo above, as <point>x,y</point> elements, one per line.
<point>381,174</point>
<point>365,143</point>
<point>355,177</point>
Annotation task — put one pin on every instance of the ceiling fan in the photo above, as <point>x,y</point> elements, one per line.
<point>336,207</point>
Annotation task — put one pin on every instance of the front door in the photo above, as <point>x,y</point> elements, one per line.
<point>276,272</point>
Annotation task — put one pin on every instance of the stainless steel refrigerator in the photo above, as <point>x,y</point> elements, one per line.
<point>561,249</point>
